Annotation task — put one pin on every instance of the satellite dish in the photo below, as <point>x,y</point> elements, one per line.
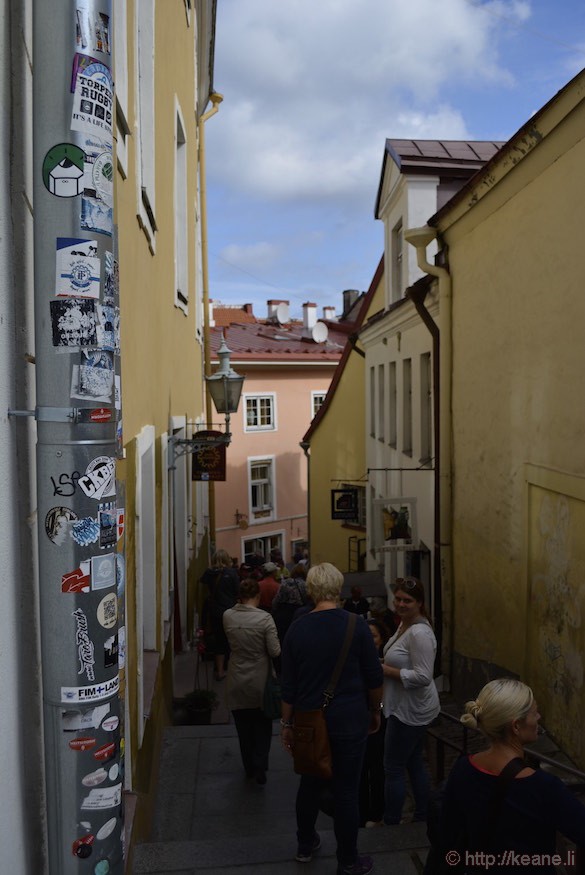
<point>319,332</point>
<point>282,314</point>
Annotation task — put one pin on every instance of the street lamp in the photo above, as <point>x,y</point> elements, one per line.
<point>225,388</point>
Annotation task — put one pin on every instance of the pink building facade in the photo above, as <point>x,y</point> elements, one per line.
<point>288,367</point>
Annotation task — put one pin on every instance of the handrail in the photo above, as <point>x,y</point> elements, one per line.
<point>533,754</point>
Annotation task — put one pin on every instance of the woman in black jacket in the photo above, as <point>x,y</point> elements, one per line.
<point>223,583</point>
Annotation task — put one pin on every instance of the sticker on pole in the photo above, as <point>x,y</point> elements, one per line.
<point>99,479</point>
<point>92,693</point>
<point>107,611</point>
<point>108,797</point>
<point>77,268</point>
<point>63,170</point>
<point>74,720</point>
<point>92,101</point>
<point>58,522</point>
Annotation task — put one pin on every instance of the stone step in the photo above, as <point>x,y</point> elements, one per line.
<point>400,849</point>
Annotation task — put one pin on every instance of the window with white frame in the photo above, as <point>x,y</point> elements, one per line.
<point>397,256</point>
<point>181,216</point>
<point>317,399</point>
<point>392,404</point>
<point>120,17</point>
<point>262,546</point>
<point>261,483</point>
<point>381,403</point>
<point>407,407</point>
<point>259,413</point>
<point>372,402</point>
<point>145,17</point>
<point>426,419</point>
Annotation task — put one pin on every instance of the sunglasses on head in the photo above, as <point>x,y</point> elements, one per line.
<point>406,583</point>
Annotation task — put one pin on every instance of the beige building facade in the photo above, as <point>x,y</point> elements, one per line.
<point>514,238</point>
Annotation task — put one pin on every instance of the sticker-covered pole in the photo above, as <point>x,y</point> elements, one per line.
<point>78,415</point>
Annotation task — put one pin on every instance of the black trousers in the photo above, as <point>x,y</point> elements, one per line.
<point>255,735</point>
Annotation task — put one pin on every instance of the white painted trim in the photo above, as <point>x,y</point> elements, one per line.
<point>270,459</point>
<point>315,392</point>
<point>259,428</point>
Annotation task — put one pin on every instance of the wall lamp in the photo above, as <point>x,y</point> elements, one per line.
<point>225,388</point>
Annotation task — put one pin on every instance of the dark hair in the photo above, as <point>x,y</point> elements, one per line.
<point>382,629</point>
<point>249,588</point>
<point>299,571</point>
<point>356,592</point>
<point>413,587</point>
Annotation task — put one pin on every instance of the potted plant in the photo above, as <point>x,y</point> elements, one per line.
<point>195,708</point>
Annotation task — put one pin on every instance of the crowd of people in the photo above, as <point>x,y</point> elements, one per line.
<point>271,619</point>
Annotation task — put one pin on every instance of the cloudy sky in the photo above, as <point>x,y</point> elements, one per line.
<point>312,88</point>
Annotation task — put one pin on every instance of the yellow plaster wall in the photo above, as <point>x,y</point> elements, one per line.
<point>518,357</point>
<point>338,455</point>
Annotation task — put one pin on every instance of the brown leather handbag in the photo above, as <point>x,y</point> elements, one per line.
<point>311,748</point>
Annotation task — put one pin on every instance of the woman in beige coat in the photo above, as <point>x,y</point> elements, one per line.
<point>254,643</point>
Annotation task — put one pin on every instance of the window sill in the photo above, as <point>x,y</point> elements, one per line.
<point>354,527</point>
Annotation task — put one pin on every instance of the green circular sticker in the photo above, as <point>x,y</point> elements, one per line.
<point>63,170</point>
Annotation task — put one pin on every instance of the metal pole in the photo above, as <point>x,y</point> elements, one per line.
<point>77,381</point>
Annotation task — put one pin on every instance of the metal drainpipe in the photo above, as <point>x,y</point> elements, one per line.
<point>216,99</point>
<point>417,297</point>
<point>305,447</point>
<point>420,239</point>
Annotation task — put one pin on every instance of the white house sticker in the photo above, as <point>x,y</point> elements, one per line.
<point>99,479</point>
<point>63,170</point>
<point>92,693</point>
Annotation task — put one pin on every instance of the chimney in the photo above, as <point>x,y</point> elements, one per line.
<point>273,308</point>
<point>329,313</point>
<point>350,296</point>
<point>248,309</point>
<point>309,315</point>
<point>211,319</point>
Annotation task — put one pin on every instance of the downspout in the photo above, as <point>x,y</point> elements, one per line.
<point>216,99</point>
<point>305,447</point>
<point>417,296</point>
<point>420,239</point>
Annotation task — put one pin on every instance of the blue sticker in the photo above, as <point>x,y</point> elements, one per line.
<point>85,531</point>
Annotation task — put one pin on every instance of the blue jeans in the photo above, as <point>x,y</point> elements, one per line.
<point>403,752</point>
<point>347,753</point>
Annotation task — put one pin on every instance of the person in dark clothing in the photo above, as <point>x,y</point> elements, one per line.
<point>536,804</point>
<point>357,604</point>
<point>372,780</point>
<point>291,595</point>
<point>311,648</point>
<point>223,582</point>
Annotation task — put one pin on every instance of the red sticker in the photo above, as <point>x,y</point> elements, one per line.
<point>82,744</point>
<point>75,581</point>
<point>106,752</point>
<point>101,414</point>
<point>82,847</point>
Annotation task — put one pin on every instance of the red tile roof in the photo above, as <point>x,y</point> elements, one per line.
<point>225,314</point>
<point>268,342</point>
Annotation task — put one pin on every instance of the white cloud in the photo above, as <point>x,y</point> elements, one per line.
<point>313,88</point>
<point>258,255</point>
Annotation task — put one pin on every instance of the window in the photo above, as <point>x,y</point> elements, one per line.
<point>426,419</point>
<point>317,399</point>
<point>407,407</point>
<point>262,546</point>
<point>392,403</point>
<point>262,489</point>
<point>397,254</point>
<point>120,12</point>
<point>259,413</point>
<point>372,402</point>
<point>181,217</point>
<point>145,17</point>
<point>381,404</point>
<point>360,519</point>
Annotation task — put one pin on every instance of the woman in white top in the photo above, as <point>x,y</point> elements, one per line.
<point>411,701</point>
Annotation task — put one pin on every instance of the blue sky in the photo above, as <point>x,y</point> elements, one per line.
<point>312,88</point>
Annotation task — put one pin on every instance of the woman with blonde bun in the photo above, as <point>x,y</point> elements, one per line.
<point>505,817</point>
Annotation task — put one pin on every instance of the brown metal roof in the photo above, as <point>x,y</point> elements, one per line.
<point>267,342</point>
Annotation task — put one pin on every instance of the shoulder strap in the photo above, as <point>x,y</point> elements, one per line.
<point>328,694</point>
<point>503,782</point>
